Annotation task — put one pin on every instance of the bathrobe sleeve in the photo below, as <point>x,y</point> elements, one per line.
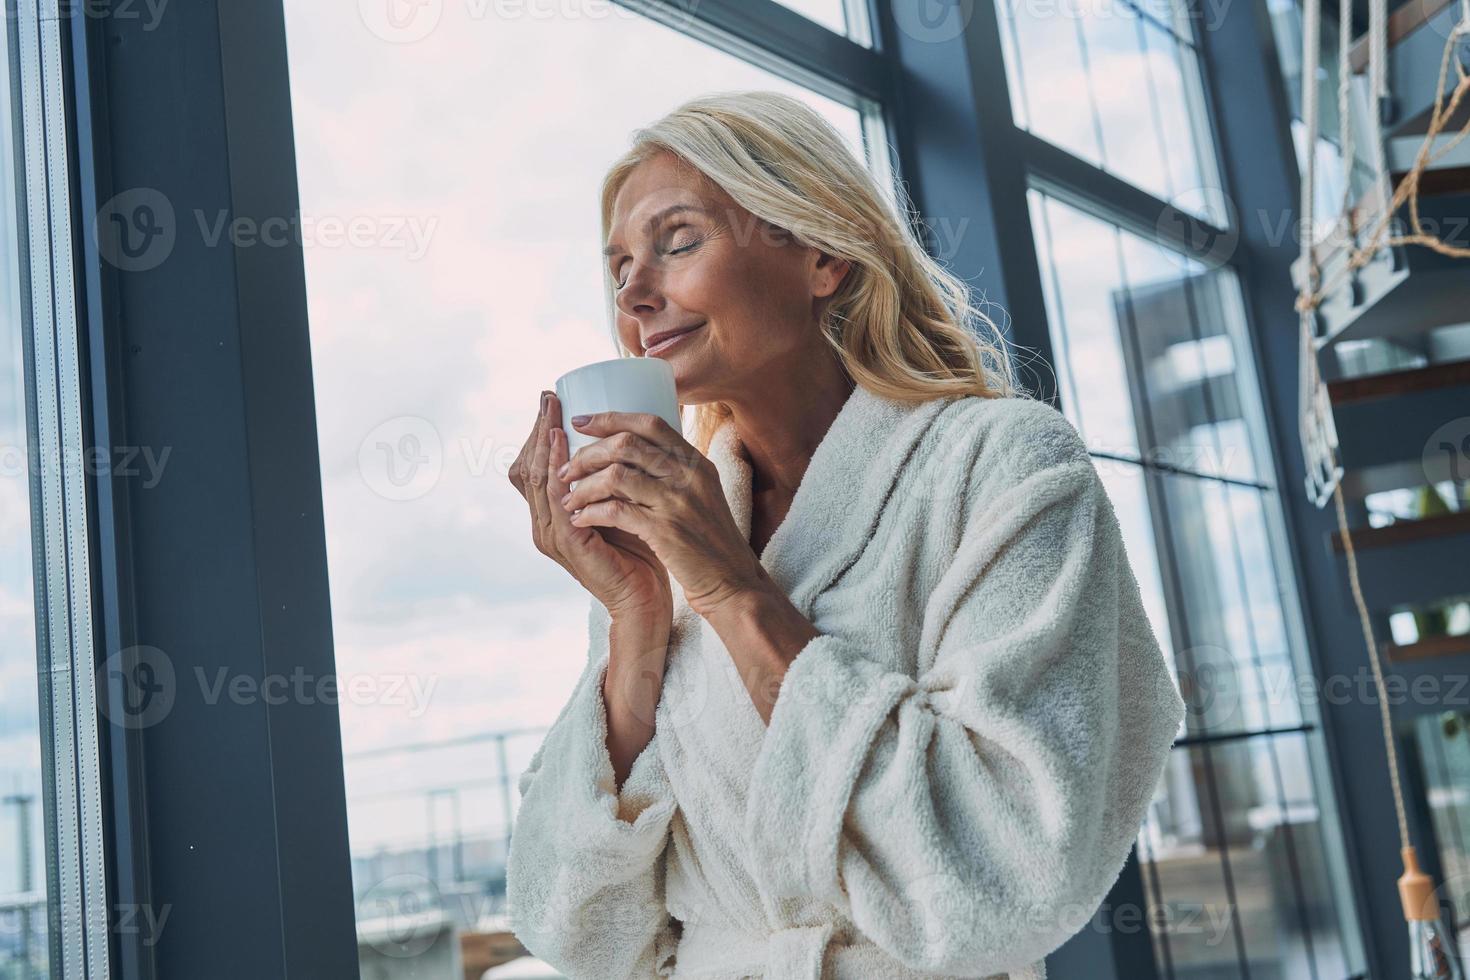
<point>971,819</point>
<point>585,872</point>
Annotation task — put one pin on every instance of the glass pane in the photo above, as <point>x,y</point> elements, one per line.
<point>1084,294</point>
<point>1236,631</point>
<point>1184,320</point>
<point>23,891</point>
<point>1128,491</point>
<point>847,17</point>
<point>1118,88</point>
<point>1121,306</point>
<point>1235,856</point>
<point>1443,743</point>
<point>474,281</point>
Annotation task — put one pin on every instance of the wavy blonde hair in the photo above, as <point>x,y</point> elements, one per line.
<point>902,325</point>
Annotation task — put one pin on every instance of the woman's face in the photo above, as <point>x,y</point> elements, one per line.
<point>687,255</point>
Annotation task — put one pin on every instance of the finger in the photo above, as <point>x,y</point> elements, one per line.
<point>646,424</point>
<point>615,481</point>
<point>622,447</point>
<point>613,513</point>
<point>518,474</point>
<point>556,487</point>
<point>536,471</point>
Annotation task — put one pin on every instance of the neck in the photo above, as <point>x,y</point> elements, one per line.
<point>782,425</point>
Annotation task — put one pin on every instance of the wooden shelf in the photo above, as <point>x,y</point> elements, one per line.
<point>1403,532</point>
<point>1391,384</point>
<point>1436,646</point>
<point>1401,23</point>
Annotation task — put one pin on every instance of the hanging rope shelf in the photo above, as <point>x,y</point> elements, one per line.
<point>1432,958</point>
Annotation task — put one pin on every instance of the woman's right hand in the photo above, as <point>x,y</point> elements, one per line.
<point>616,567</point>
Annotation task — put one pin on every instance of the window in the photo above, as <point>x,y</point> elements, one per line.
<point>53,886</point>
<point>1117,84</point>
<point>1240,854</point>
<point>24,944</point>
<point>849,17</point>
<point>473,283</point>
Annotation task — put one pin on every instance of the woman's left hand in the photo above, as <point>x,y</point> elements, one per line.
<point>644,477</point>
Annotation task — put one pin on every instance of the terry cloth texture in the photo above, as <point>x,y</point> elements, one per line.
<point>955,770</point>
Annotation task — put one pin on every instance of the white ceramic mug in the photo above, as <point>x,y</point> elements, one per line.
<point>623,384</point>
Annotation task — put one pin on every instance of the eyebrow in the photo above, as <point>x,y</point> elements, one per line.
<point>667,212</point>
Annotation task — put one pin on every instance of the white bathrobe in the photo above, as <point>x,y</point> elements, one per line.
<point>954,770</point>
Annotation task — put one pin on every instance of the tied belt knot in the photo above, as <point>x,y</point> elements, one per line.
<point>716,951</point>
<point>822,952</point>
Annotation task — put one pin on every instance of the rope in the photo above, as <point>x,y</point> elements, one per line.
<point>1345,112</point>
<point>1367,623</point>
<point>1408,189</point>
<point>1318,433</point>
<point>1378,80</point>
<point>1311,50</point>
<point>1314,413</point>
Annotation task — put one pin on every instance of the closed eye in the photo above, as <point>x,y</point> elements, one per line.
<point>680,250</point>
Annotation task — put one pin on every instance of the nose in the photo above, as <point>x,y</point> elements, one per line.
<point>641,293</point>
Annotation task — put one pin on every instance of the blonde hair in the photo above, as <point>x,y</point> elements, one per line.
<point>901,324</point>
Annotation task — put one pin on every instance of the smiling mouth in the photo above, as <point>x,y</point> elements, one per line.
<point>670,341</point>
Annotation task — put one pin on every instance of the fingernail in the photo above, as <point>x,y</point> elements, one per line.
<point>581,419</point>
<point>564,498</point>
<point>544,397</point>
<point>562,469</point>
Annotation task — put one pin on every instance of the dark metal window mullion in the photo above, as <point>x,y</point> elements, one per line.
<point>1154,464</point>
<point>1242,735</point>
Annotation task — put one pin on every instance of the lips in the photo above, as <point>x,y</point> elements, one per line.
<point>657,341</point>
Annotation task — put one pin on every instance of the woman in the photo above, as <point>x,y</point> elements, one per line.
<point>870,690</point>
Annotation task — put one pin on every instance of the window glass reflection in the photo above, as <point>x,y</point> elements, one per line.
<point>23,922</point>
<point>1119,86</point>
<point>1153,369</point>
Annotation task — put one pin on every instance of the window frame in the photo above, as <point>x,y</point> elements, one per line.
<point>55,371</point>
<point>208,359</point>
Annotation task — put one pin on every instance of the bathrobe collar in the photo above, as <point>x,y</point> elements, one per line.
<point>841,493</point>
